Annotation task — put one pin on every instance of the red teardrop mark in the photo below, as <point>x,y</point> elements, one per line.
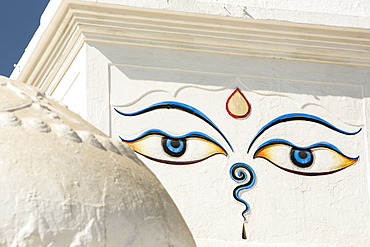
<point>237,105</point>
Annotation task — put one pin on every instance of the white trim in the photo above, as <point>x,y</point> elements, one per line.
<point>77,22</point>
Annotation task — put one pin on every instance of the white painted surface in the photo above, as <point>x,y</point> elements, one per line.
<point>286,209</point>
<point>137,57</point>
<point>71,90</point>
<point>63,183</point>
<point>354,13</point>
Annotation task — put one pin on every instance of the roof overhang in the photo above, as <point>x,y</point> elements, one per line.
<point>77,22</point>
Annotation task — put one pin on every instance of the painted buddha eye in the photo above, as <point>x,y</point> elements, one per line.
<point>177,150</point>
<point>318,159</point>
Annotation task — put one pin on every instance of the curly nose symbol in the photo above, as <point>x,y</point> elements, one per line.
<point>242,173</point>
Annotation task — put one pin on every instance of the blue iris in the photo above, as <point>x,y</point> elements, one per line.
<point>301,157</point>
<point>174,146</point>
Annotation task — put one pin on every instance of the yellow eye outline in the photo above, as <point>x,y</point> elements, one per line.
<point>174,151</point>
<point>269,148</point>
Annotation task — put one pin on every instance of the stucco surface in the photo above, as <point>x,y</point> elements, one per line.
<point>63,183</point>
<point>157,61</point>
<point>286,209</point>
<point>354,13</point>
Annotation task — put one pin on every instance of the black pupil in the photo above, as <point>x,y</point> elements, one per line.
<point>302,154</point>
<point>175,143</point>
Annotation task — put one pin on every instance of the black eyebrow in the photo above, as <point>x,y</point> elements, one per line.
<point>178,106</point>
<point>298,117</point>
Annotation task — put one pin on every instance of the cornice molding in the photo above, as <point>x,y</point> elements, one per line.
<point>78,22</point>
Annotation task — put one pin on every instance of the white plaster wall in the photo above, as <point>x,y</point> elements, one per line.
<point>85,88</point>
<point>71,90</point>
<point>98,89</point>
<point>286,209</point>
<point>354,13</point>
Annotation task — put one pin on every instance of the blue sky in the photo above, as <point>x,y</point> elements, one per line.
<point>19,20</point>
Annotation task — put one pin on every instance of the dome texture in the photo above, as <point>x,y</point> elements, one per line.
<point>64,183</point>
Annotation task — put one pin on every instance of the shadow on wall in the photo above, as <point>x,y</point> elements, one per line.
<point>257,73</point>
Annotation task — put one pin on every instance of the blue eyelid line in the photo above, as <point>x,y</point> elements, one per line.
<point>178,106</point>
<point>191,134</point>
<point>299,117</point>
<point>316,145</point>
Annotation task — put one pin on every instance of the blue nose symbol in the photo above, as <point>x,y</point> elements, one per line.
<point>242,173</point>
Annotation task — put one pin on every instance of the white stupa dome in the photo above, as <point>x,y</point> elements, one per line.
<point>63,183</point>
